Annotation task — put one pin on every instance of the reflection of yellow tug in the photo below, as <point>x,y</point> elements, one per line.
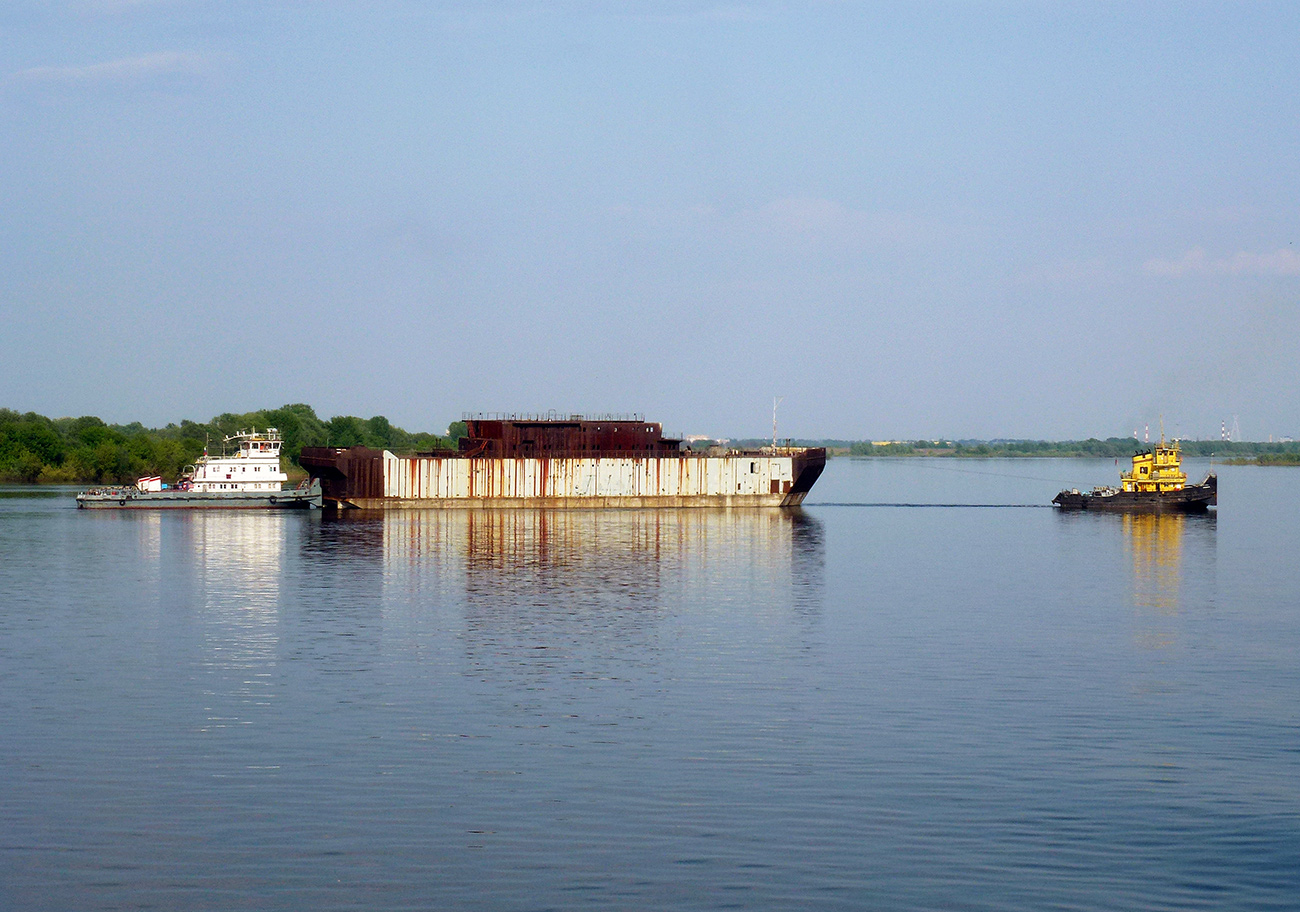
<point>1155,484</point>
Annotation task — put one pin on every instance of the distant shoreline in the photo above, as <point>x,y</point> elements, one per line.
<point>35,449</point>
<point>1228,452</point>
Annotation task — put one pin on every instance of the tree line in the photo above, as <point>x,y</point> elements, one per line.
<point>86,450</point>
<point>1117,447</point>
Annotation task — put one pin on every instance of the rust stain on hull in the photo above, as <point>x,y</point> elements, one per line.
<point>376,478</point>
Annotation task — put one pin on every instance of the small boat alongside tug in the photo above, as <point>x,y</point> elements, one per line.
<point>249,479</point>
<point>1156,483</point>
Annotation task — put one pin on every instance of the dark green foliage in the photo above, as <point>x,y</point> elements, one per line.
<point>1278,459</point>
<point>345,431</point>
<point>86,450</point>
<point>35,448</point>
<point>29,435</point>
<point>867,448</point>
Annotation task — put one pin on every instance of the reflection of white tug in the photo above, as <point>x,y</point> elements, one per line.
<point>250,478</point>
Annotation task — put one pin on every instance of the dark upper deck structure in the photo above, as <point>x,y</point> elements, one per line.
<point>508,437</point>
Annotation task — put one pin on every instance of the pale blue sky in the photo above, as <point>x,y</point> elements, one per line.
<point>1017,219</point>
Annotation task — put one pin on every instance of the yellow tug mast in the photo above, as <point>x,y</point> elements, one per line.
<point>1159,469</point>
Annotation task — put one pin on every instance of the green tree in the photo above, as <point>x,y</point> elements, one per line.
<point>299,427</point>
<point>345,431</point>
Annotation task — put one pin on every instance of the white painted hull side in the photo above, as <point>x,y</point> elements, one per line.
<point>722,481</point>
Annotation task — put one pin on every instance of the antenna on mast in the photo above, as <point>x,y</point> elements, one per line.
<point>776,400</point>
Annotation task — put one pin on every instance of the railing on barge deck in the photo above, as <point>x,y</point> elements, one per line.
<point>552,415</point>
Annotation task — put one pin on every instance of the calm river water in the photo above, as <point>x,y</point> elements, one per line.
<point>925,690</point>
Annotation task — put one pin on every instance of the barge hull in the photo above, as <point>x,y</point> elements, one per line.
<point>376,479</point>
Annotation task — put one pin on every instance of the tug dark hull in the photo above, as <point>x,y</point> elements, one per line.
<point>1196,498</point>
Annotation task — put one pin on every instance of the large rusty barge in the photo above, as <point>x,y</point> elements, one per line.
<point>575,462</point>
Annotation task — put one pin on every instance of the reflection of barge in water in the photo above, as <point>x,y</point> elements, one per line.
<point>575,462</point>
<point>1155,484</point>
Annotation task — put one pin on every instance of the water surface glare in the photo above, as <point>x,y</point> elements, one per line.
<point>860,705</point>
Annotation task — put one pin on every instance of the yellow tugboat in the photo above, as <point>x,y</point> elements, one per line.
<point>1155,484</point>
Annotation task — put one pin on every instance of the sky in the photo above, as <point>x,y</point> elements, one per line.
<point>906,219</point>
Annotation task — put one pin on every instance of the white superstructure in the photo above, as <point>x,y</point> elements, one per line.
<point>255,467</point>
